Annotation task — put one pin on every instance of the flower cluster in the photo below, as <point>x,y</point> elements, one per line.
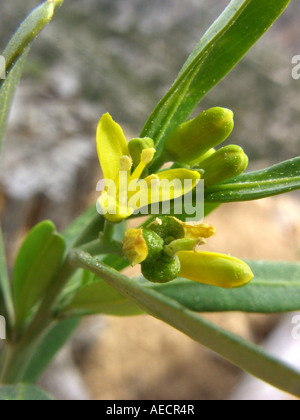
<point>168,247</point>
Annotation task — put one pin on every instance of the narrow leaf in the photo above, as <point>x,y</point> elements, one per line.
<point>274,289</point>
<point>7,93</point>
<point>278,179</point>
<point>49,346</point>
<point>85,228</point>
<point>28,30</point>
<point>243,354</point>
<point>37,262</point>
<point>99,298</point>
<point>6,301</point>
<point>15,56</point>
<point>225,43</point>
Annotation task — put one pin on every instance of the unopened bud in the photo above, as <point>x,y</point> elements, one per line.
<point>137,146</point>
<point>214,269</point>
<point>226,163</point>
<point>194,138</point>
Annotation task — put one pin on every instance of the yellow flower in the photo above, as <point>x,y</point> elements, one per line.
<point>125,191</point>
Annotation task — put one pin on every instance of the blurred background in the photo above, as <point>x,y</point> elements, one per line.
<point>121,56</point>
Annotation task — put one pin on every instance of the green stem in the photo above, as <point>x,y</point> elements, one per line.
<point>20,352</point>
<point>184,244</point>
<point>108,233</point>
<point>105,244</point>
<point>2,358</point>
<point>91,232</point>
<point>103,248</point>
<point>17,359</point>
<point>5,287</point>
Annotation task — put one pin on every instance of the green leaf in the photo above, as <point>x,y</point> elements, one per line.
<point>7,92</point>
<point>15,55</point>
<point>6,301</point>
<point>99,298</point>
<point>37,262</point>
<point>278,179</point>
<point>274,289</point>
<point>85,228</point>
<point>221,48</point>
<point>28,30</point>
<point>233,348</point>
<point>49,346</point>
<point>23,393</point>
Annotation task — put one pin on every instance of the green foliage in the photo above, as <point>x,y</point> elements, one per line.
<point>45,268</point>
<point>23,392</point>
<point>274,289</point>
<point>243,354</point>
<point>99,298</point>
<point>221,48</point>
<point>7,92</point>
<point>277,179</point>
<point>38,261</point>
<point>55,338</point>
<point>6,302</point>
<point>15,55</point>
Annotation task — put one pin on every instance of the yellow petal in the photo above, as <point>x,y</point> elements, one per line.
<point>111,146</point>
<point>112,209</point>
<point>214,269</point>
<point>171,184</point>
<point>135,247</point>
<point>195,230</point>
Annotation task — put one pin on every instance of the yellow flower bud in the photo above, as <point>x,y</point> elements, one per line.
<point>214,269</point>
<point>194,138</point>
<point>226,163</point>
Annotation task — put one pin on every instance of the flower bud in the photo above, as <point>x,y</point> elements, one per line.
<point>214,269</point>
<point>206,155</point>
<point>226,163</point>
<point>194,138</point>
<point>136,147</point>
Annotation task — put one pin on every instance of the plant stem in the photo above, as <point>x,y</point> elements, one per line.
<point>105,244</point>
<point>91,231</point>
<point>21,351</point>
<point>5,287</point>
<point>108,233</point>
<point>17,359</point>
<point>103,248</point>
